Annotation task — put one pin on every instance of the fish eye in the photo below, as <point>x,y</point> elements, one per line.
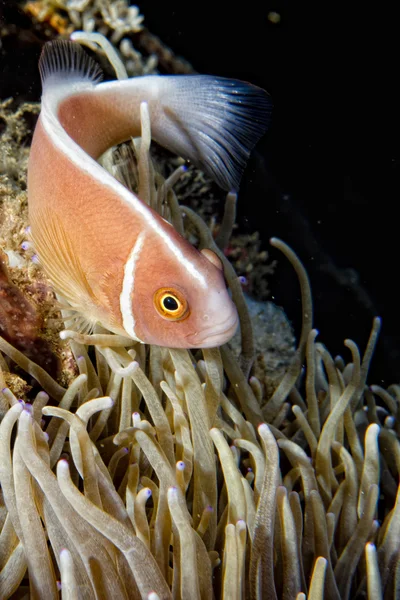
<point>171,304</point>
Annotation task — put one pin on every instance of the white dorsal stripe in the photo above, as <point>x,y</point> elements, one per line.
<point>128,284</point>
<point>87,164</point>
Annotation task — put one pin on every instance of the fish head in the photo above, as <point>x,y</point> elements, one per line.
<point>183,303</point>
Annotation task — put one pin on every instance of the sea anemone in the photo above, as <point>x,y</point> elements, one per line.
<point>164,473</point>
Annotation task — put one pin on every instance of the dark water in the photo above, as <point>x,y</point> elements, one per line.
<point>326,178</point>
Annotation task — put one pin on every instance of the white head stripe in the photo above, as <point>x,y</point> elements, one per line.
<point>87,164</point>
<point>125,299</point>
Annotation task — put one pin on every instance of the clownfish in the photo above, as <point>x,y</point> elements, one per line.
<point>112,257</point>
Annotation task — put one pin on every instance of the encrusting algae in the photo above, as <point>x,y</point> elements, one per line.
<point>164,473</point>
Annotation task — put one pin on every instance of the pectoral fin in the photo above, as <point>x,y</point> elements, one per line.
<point>62,266</point>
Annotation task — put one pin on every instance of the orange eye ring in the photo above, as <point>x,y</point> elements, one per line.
<point>171,304</point>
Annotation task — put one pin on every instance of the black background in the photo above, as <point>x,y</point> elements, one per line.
<point>326,177</point>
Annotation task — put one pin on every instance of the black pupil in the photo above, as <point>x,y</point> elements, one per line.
<point>170,303</point>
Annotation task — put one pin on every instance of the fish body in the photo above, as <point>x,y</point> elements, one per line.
<point>110,255</point>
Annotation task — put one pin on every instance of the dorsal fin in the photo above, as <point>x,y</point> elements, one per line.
<point>62,61</point>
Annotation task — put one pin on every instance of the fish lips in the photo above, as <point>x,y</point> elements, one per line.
<point>215,335</point>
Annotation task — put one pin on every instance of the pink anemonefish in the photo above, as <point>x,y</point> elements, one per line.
<point>114,259</point>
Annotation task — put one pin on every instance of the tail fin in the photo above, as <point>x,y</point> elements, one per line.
<point>214,122</point>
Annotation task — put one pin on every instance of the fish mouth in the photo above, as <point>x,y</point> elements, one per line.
<point>216,336</point>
